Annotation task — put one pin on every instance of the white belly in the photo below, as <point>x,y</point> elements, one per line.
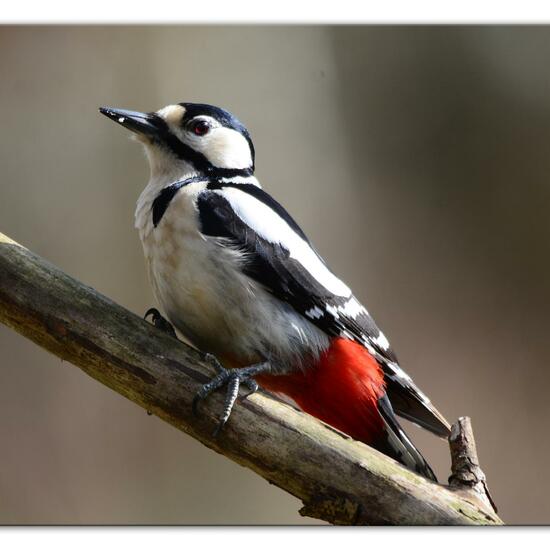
<point>205,295</point>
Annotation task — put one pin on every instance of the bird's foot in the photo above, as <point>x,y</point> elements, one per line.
<point>233,378</point>
<point>160,322</point>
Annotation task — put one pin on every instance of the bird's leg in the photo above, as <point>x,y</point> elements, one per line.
<point>160,322</point>
<point>232,378</point>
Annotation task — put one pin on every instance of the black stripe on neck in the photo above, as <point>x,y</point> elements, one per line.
<point>163,199</point>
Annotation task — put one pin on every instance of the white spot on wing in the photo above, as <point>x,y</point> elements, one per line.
<point>381,341</point>
<point>352,308</point>
<point>315,312</point>
<point>270,226</point>
<point>400,374</point>
<point>333,310</point>
<point>371,350</point>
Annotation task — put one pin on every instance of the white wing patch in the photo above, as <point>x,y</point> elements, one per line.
<point>314,313</point>
<point>399,373</point>
<point>333,310</point>
<point>381,341</point>
<point>271,227</point>
<point>352,308</point>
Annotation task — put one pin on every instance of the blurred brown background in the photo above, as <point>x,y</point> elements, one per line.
<point>416,158</point>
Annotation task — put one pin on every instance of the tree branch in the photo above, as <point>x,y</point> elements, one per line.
<point>339,480</point>
<point>467,476</point>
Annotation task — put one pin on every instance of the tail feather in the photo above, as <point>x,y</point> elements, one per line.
<point>345,388</point>
<point>410,403</point>
<point>398,445</point>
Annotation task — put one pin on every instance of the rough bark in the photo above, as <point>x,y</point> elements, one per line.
<point>339,480</point>
<point>467,476</point>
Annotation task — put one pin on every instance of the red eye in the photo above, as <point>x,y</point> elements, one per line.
<point>200,127</point>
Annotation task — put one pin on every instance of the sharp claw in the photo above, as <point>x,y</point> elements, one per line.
<point>159,321</point>
<point>233,378</point>
<point>218,429</point>
<point>251,384</point>
<point>207,389</point>
<point>230,398</point>
<point>154,312</point>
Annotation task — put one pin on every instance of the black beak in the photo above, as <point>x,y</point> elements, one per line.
<point>140,123</point>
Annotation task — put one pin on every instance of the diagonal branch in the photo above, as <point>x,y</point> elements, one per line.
<point>338,479</point>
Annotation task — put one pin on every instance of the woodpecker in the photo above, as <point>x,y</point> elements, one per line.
<point>238,278</point>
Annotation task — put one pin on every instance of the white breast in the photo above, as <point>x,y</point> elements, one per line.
<point>202,290</point>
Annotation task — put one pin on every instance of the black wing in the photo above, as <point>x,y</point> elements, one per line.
<point>281,258</point>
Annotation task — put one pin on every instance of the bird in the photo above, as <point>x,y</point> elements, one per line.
<point>239,279</point>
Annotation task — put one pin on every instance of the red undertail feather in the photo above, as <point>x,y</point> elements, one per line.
<point>342,389</point>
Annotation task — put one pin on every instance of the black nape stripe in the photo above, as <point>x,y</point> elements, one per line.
<point>163,199</point>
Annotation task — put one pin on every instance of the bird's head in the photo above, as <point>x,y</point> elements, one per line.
<point>190,138</point>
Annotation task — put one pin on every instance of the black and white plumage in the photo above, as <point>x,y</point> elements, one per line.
<point>283,261</point>
<point>235,273</point>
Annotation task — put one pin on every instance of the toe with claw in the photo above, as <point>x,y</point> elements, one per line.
<point>232,378</point>
<point>160,322</point>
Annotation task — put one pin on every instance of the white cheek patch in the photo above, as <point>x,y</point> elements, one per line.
<point>172,114</point>
<point>226,148</point>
